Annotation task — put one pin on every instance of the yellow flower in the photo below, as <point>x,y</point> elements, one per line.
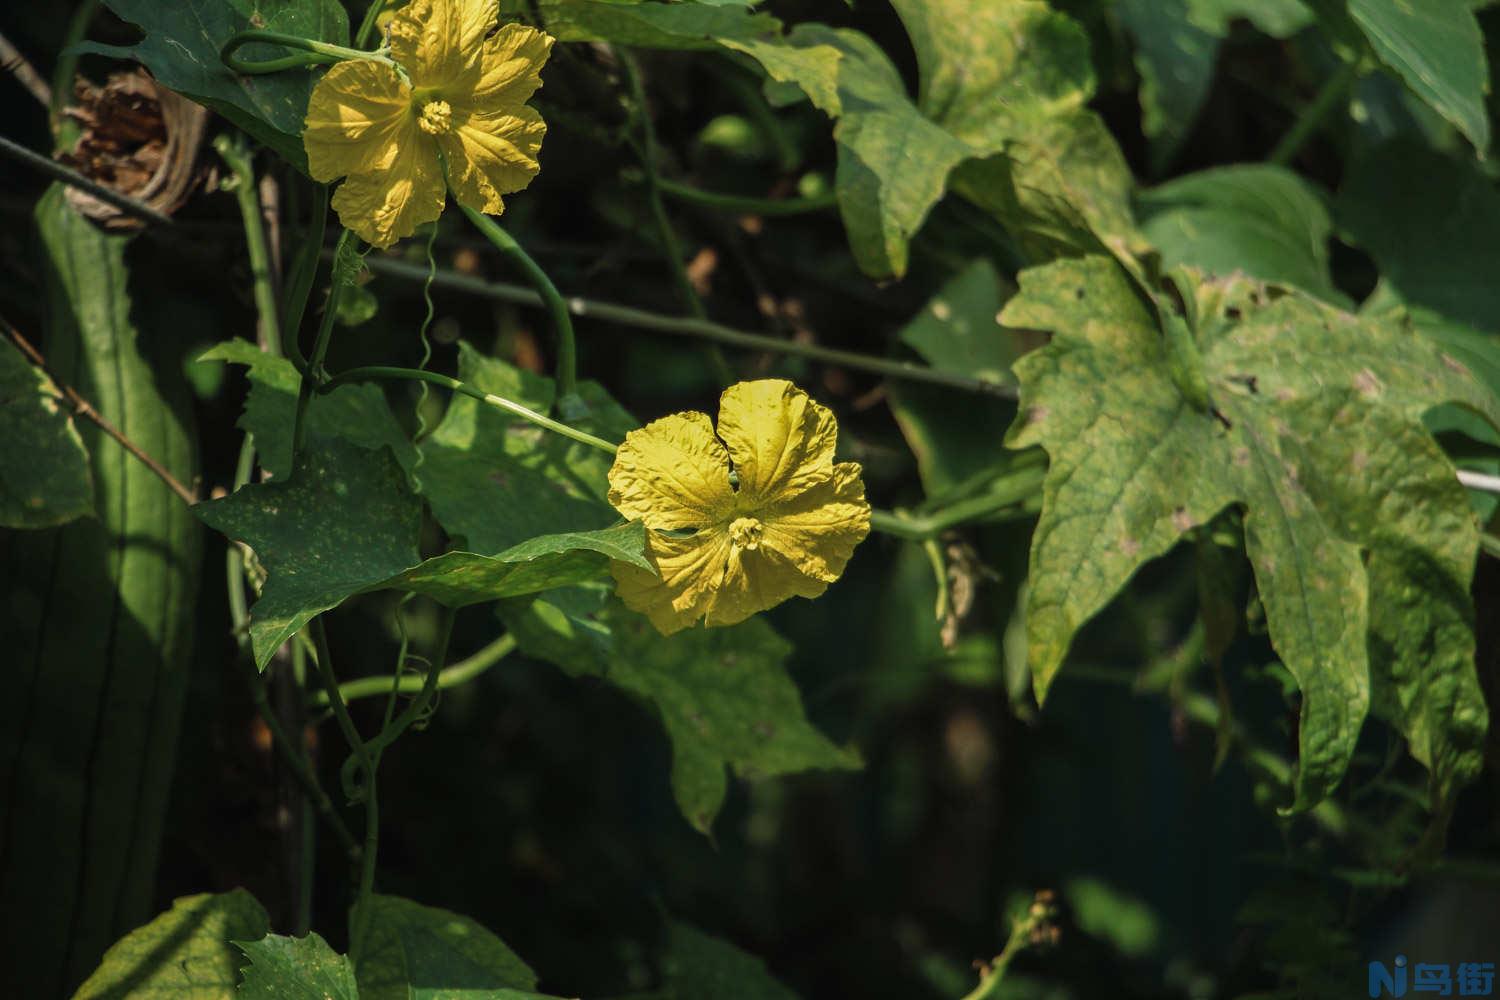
<point>463,102</point>
<point>726,544</point>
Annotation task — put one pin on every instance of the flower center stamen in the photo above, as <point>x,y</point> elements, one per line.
<point>745,532</point>
<point>436,117</point>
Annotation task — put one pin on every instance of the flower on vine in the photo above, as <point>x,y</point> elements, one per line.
<point>458,107</point>
<point>740,519</point>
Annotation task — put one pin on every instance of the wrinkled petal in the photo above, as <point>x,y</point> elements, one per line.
<point>757,580</point>
<point>780,439</point>
<point>387,205</point>
<point>817,530</point>
<point>672,474</point>
<point>691,569</point>
<point>438,40</point>
<point>358,118</point>
<point>508,71</point>
<point>493,154</point>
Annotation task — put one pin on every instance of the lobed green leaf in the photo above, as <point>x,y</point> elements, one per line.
<point>44,466</point>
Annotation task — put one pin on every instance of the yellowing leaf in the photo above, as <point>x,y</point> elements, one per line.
<point>1306,404</point>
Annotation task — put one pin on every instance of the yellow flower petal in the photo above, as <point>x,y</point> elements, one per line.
<point>438,40</point>
<point>781,441</point>
<point>508,71</point>
<point>386,205</point>
<point>818,529</point>
<point>672,474</point>
<point>492,154</point>
<point>756,580</point>
<point>357,118</point>
<point>690,570</point>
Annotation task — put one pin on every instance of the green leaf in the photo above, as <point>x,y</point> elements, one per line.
<point>1261,220</point>
<point>1277,18</point>
<point>184,954</point>
<point>697,965</point>
<point>290,968</point>
<point>542,563</point>
<point>1175,59</point>
<point>1437,49</point>
<point>356,413</point>
<point>416,952</point>
<point>893,162</point>
<point>1134,466</point>
<point>722,693</point>
<point>344,521</point>
<point>958,331</point>
<point>44,466</point>
<point>1010,79</point>
<point>1432,224</point>
<point>181,49</point>
<point>495,480</point>
<point>700,26</point>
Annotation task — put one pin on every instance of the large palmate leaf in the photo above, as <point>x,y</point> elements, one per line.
<point>290,968</point>
<point>44,467</point>
<point>356,413</point>
<point>723,693</point>
<point>415,952</point>
<point>1436,47</point>
<point>1261,220</point>
<point>346,522</point>
<point>181,49</point>
<point>1307,411</point>
<point>184,954</point>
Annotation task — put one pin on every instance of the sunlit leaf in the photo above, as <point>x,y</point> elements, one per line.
<point>184,954</point>
<point>1134,465</point>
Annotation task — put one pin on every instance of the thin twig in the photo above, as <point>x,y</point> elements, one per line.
<point>690,326</point>
<point>73,178</point>
<point>24,72</point>
<point>85,409</point>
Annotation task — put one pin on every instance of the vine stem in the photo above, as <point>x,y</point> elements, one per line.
<point>689,326</point>
<point>743,205</point>
<point>562,319</point>
<point>1334,89</point>
<point>994,975</point>
<point>237,157</point>
<point>73,178</point>
<point>671,249</point>
<point>449,677</point>
<point>346,265</point>
<point>1479,481</point>
<point>1011,490</point>
<point>447,382</point>
<point>312,53</point>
